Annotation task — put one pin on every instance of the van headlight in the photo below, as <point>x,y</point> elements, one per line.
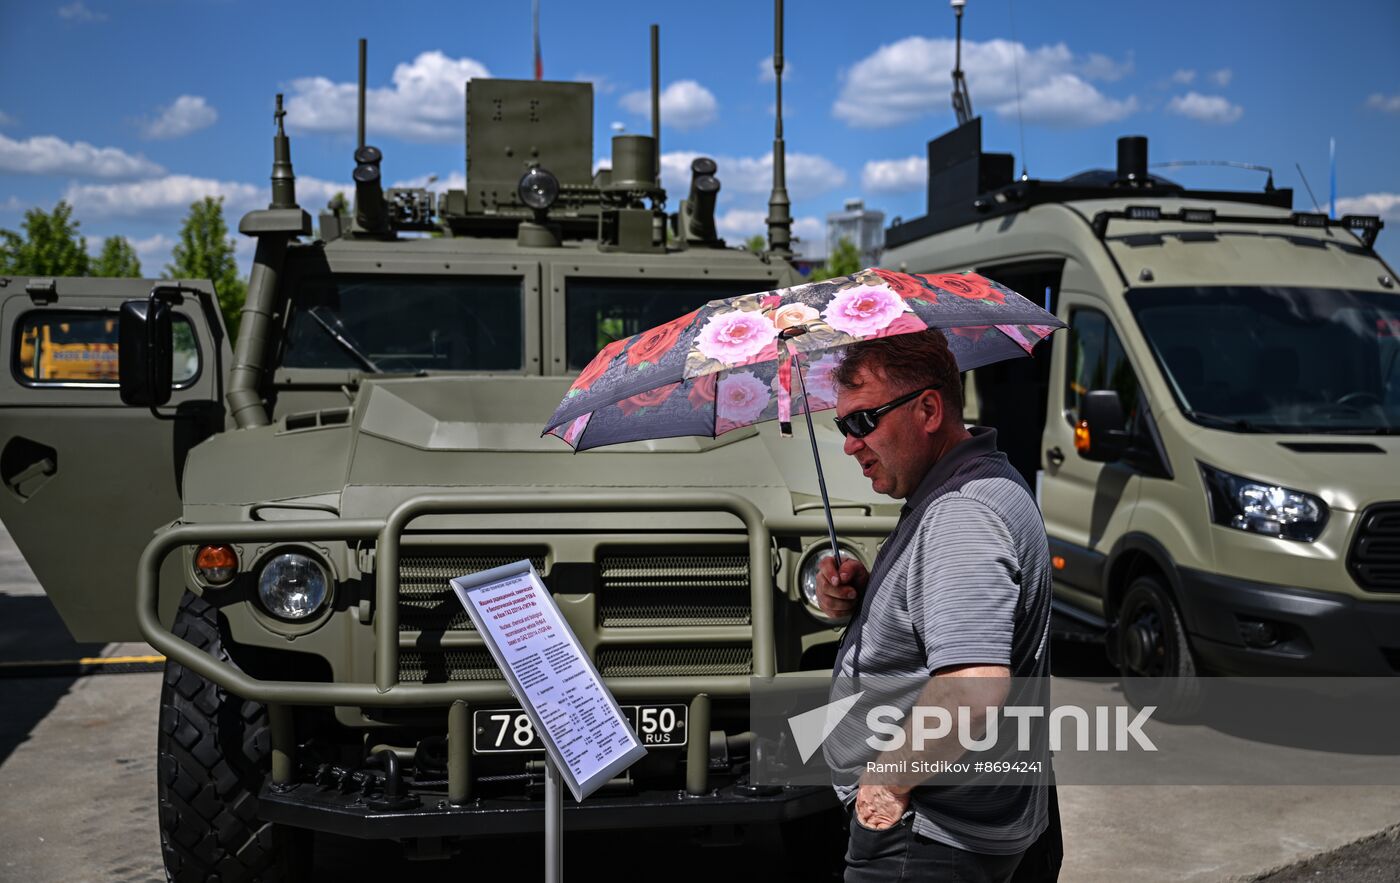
<point>807,576</point>
<point>1259,507</point>
<point>293,586</point>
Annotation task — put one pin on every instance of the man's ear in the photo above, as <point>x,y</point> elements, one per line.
<point>931,410</point>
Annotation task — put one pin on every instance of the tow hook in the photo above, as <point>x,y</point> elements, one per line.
<point>393,796</point>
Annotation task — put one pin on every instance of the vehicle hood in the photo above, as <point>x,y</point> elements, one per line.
<point>410,436</point>
<point>1348,472</point>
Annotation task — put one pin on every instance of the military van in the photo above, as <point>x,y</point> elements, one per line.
<point>280,518</point>
<point>1211,439</point>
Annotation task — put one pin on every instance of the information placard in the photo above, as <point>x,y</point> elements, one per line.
<point>583,729</point>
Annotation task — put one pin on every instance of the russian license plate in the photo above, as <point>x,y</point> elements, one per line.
<point>501,730</point>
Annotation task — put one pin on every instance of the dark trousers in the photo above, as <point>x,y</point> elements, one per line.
<point>899,854</point>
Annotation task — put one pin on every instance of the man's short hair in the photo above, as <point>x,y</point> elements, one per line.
<point>908,362</point>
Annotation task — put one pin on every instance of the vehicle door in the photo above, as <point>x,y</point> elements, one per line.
<point>86,479</point>
<point>1087,505</point>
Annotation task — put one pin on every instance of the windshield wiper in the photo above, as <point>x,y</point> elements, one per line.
<point>1236,423</point>
<point>342,337</point>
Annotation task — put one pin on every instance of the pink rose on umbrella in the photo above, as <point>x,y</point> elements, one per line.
<point>820,377</point>
<point>794,314</point>
<point>740,400</point>
<point>861,312</point>
<point>735,337</point>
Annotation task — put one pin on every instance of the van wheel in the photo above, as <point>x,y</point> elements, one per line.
<point>1153,652</point>
<point>213,752</point>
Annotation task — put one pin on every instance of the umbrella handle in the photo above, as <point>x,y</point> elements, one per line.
<point>821,479</point>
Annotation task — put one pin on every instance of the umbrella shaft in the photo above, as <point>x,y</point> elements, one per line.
<point>821,479</point>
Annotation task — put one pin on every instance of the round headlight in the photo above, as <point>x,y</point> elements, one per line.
<point>807,577</point>
<point>292,586</point>
<point>538,188</point>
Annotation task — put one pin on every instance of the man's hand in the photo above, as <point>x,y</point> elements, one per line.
<point>837,592</point>
<point>880,806</point>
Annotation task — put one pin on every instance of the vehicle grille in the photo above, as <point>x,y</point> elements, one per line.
<point>673,590</point>
<point>1374,561</point>
<point>426,601</point>
<point>667,662</point>
<point>436,667</point>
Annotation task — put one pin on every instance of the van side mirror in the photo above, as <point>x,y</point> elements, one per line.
<point>145,352</point>
<point>1101,435</point>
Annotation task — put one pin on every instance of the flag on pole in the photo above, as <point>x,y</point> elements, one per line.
<point>539,62</point>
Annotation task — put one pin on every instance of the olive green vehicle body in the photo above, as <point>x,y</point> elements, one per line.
<point>1110,522</point>
<point>413,476</point>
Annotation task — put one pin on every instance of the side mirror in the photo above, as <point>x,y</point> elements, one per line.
<point>145,352</point>
<point>1101,435</point>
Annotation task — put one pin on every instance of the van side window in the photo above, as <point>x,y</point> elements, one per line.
<point>68,347</point>
<point>1097,361</point>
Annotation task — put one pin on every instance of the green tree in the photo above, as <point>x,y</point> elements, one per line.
<point>205,251</point>
<point>756,243</point>
<point>118,260</point>
<point>843,261</point>
<point>49,245</point>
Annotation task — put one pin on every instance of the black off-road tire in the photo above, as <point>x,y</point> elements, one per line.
<point>1167,677</point>
<point>213,754</point>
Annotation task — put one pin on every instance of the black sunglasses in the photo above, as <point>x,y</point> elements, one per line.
<point>863,422</point>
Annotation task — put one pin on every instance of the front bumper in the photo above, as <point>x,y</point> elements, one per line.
<point>1320,633</point>
<point>327,810</point>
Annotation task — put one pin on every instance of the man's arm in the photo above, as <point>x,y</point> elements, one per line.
<point>884,796</point>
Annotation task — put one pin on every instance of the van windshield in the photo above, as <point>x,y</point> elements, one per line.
<point>1276,359</point>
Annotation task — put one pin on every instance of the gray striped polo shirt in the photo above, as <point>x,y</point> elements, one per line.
<point>964,579</point>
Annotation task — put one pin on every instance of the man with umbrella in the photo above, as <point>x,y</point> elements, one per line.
<point>960,594</point>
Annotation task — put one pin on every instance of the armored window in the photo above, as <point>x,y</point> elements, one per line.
<point>599,311</point>
<point>79,348</point>
<point>1097,361</point>
<point>407,324</point>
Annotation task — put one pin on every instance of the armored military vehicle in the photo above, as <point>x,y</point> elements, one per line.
<point>281,518</point>
<point>1211,439</point>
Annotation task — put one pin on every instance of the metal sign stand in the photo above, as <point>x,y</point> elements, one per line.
<point>553,823</point>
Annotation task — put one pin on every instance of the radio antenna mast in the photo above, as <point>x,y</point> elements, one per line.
<point>962,101</point>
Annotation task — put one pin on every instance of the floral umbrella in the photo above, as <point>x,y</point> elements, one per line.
<point>729,363</point>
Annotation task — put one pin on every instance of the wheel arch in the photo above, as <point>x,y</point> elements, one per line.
<point>1133,555</point>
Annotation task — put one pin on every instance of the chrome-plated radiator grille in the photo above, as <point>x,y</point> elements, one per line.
<point>673,590</point>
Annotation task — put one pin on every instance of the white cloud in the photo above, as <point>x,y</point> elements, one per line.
<point>1222,77</point>
<point>895,175</point>
<point>170,195</point>
<point>737,225</point>
<point>765,70</point>
<point>1384,103</point>
<point>685,104</point>
<point>1387,205</point>
<point>425,103</point>
<point>47,155</point>
<point>1205,108</point>
<point>807,174</point>
<point>602,83</point>
<point>904,80</point>
<point>186,114</point>
<point>1184,77</point>
<point>313,193</point>
<point>79,12</point>
<point>1101,67</point>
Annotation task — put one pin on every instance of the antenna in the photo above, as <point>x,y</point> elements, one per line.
<point>962,101</point>
<point>656,96</point>
<point>1299,167</point>
<point>1016,66</point>
<point>361,142</point>
<point>779,207</point>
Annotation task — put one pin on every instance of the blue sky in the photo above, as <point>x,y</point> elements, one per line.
<point>134,109</point>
